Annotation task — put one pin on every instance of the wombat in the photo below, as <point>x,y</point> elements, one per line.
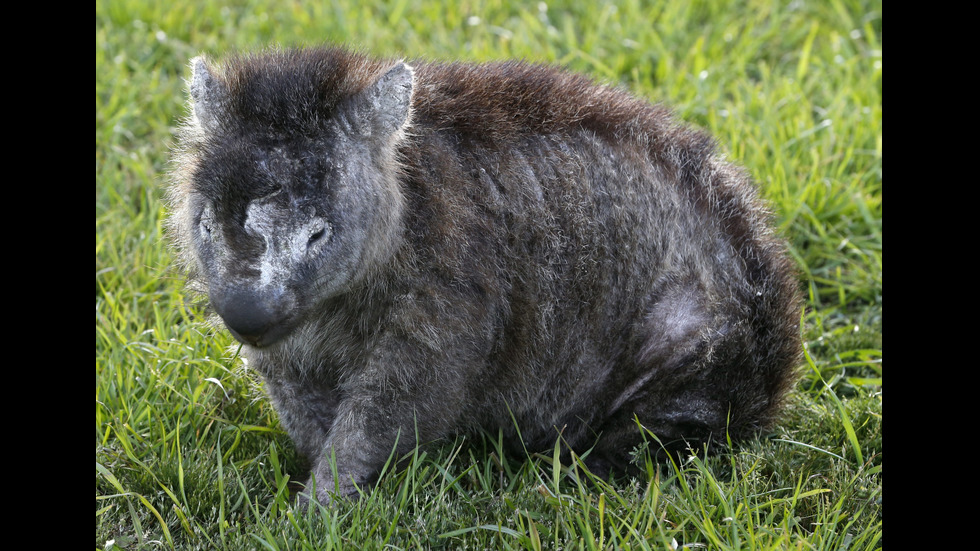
<point>411,250</point>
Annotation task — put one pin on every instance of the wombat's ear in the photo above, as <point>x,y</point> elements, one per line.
<point>383,109</point>
<point>208,94</point>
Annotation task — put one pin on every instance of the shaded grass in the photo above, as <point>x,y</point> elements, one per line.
<point>189,453</point>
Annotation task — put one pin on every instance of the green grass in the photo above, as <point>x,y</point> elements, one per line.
<point>189,453</point>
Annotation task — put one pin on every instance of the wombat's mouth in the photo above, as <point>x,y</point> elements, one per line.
<point>262,338</point>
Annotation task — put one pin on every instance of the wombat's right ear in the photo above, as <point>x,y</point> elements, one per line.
<point>208,94</point>
<point>383,109</point>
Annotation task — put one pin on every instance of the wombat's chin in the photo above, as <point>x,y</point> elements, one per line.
<point>268,338</point>
<point>254,342</point>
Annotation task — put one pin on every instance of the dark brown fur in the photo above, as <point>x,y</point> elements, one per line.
<point>521,249</point>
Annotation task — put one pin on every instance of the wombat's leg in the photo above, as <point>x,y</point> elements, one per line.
<point>686,388</point>
<point>678,423</point>
<point>306,409</point>
<point>356,450</point>
<point>713,364</point>
<point>374,421</point>
<point>414,388</point>
<point>326,429</point>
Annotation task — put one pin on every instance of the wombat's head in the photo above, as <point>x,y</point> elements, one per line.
<point>286,189</point>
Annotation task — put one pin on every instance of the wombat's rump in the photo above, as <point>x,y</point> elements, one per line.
<point>413,249</point>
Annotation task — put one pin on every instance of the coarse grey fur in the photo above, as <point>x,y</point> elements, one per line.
<point>407,251</point>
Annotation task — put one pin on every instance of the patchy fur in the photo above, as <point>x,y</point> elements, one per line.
<point>415,249</point>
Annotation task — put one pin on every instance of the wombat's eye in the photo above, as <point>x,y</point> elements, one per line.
<point>317,235</point>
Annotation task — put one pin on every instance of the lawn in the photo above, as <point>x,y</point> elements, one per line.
<point>189,453</point>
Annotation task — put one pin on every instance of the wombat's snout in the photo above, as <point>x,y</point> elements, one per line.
<point>253,318</point>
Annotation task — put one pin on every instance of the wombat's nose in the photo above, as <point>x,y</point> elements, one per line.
<point>251,317</point>
<point>245,323</point>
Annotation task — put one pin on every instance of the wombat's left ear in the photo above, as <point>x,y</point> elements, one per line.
<point>208,94</point>
<point>383,109</point>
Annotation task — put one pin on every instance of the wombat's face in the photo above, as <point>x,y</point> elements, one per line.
<point>275,228</point>
<point>280,221</point>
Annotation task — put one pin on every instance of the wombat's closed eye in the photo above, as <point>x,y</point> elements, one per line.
<point>411,249</point>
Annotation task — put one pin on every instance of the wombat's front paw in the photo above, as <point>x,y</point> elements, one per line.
<point>327,491</point>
